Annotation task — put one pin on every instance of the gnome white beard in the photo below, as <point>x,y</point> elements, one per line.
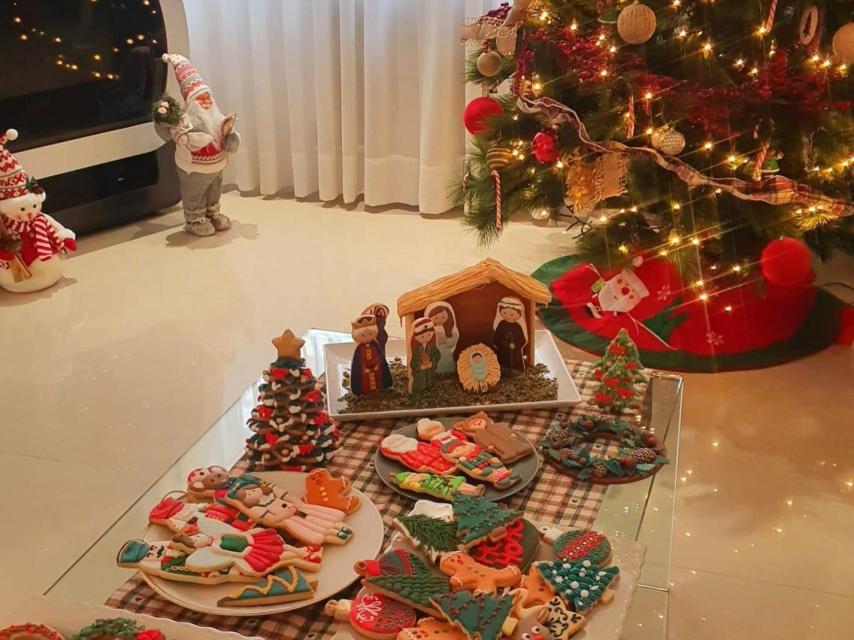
<point>206,120</point>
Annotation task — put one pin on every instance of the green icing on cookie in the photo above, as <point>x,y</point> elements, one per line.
<point>478,517</point>
<point>284,582</point>
<point>233,543</point>
<point>580,584</point>
<point>123,628</point>
<point>480,615</point>
<point>580,544</point>
<point>417,590</point>
<point>432,535</point>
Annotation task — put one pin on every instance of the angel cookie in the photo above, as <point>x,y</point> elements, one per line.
<point>495,437</point>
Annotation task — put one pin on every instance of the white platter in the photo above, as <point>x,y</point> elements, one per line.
<point>336,571</point>
<point>339,356</point>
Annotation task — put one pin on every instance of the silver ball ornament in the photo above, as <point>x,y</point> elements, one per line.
<point>541,214</point>
<point>489,63</point>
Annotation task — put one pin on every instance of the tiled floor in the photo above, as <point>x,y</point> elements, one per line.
<point>112,374</point>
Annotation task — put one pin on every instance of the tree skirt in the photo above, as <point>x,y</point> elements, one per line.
<point>746,327</point>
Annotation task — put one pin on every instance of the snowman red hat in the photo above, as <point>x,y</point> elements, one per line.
<point>14,181</point>
<point>189,79</point>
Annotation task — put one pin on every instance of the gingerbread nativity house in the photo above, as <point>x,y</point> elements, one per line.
<point>474,294</point>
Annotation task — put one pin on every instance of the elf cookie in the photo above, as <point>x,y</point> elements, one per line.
<point>495,437</point>
<point>478,519</point>
<point>432,536</point>
<point>442,487</point>
<point>479,616</point>
<point>404,577</point>
<point>373,615</point>
<point>580,584</point>
<point>29,631</point>
<point>116,629</point>
<point>326,490</point>
<point>473,460</point>
<point>285,585</point>
<point>517,547</point>
<point>579,544</point>
<point>432,629</point>
<point>468,574</point>
<point>415,455</point>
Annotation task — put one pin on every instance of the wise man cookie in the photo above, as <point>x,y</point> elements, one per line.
<point>373,615</point>
<point>369,370</point>
<point>510,334</point>
<point>286,585</point>
<point>495,437</point>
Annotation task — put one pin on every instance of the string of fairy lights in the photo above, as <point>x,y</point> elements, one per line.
<point>94,62</point>
<point>697,42</point>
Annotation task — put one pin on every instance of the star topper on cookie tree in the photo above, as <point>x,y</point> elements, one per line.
<point>688,129</point>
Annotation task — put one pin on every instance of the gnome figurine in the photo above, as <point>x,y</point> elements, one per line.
<point>32,244</point>
<point>204,139</point>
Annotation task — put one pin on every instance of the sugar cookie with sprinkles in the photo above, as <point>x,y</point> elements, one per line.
<point>580,584</point>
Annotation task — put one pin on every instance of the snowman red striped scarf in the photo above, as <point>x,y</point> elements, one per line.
<point>44,236</point>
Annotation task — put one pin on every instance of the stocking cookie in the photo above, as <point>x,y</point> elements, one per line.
<point>468,574</point>
<point>432,629</point>
<point>432,536</point>
<point>415,455</point>
<point>494,437</point>
<point>285,585</point>
<point>442,487</point>
<point>580,584</point>
<point>580,544</point>
<point>479,616</point>
<point>29,631</point>
<point>517,547</point>
<point>373,615</point>
<point>404,577</point>
<point>478,519</point>
<point>326,490</point>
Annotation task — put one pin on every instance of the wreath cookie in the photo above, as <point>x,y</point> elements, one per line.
<point>567,447</point>
<point>29,631</point>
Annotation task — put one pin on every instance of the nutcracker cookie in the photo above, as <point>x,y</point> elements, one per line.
<point>373,615</point>
<point>467,574</point>
<point>518,546</point>
<point>496,438</point>
<point>431,484</point>
<point>326,490</point>
<point>285,585</point>
<point>29,631</point>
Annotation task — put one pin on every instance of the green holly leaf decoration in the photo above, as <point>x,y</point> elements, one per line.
<point>613,466</point>
<point>644,467</point>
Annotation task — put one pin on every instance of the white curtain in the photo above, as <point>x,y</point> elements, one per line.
<point>338,97</point>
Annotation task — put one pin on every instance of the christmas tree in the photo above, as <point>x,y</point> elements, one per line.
<point>579,584</point>
<point>404,576</point>
<point>478,518</point>
<point>616,372</point>
<point>292,430</point>
<point>433,536</point>
<point>481,616</point>
<point>695,131</point>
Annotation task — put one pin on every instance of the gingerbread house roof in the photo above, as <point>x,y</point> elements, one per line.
<point>484,272</point>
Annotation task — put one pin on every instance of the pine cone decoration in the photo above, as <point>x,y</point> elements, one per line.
<point>644,455</point>
<point>599,470</point>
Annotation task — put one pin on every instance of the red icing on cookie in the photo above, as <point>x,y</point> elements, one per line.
<point>31,631</point>
<point>375,614</point>
<point>503,552</point>
<point>581,546</point>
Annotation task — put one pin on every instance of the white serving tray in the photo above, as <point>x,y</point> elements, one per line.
<point>339,356</point>
<point>70,617</point>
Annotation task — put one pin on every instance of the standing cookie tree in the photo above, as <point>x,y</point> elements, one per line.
<point>617,371</point>
<point>292,430</point>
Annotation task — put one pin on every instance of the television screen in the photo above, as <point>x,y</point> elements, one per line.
<point>71,68</point>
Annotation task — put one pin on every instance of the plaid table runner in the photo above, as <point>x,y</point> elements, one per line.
<point>551,498</point>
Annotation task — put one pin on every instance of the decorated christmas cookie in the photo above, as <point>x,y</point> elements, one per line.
<point>468,574</point>
<point>562,622</point>
<point>478,368</point>
<point>29,631</point>
<point>533,625</point>
<point>204,482</point>
<point>432,629</point>
<point>478,519</point>
<point>116,629</point>
<point>517,547</point>
<point>442,487</point>
<point>580,584</point>
<point>478,615</point>
<point>534,590</point>
<point>373,615</point>
<point>326,490</point>
<point>472,459</point>
<point>497,438</point>
<point>415,455</point>
<point>404,577</point>
<point>579,544</point>
<point>432,536</point>
<point>283,586</point>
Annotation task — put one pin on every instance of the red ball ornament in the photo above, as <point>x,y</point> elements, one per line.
<point>544,147</point>
<point>787,263</point>
<point>479,110</point>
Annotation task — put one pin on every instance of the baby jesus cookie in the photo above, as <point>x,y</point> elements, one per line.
<point>495,437</point>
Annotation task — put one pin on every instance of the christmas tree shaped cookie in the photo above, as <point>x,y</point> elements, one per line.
<point>283,586</point>
<point>616,373</point>
<point>580,584</point>
<point>479,615</point>
<point>292,430</point>
<point>404,577</point>
<point>432,536</point>
<point>479,519</point>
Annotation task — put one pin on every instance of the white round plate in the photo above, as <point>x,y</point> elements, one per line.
<point>336,571</point>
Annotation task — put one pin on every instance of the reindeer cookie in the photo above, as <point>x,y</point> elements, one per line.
<point>325,490</point>
<point>466,573</point>
<point>533,626</point>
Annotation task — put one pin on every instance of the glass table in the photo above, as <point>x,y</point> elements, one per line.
<point>641,511</point>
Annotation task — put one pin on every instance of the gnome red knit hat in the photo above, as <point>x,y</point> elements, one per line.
<point>13,179</point>
<point>188,78</point>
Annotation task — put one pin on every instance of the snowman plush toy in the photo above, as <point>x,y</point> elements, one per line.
<point>33,260</point>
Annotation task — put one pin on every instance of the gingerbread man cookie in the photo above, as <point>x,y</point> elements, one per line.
<point>533,626</point>
<point>326,490</point>
<point>533,589</point>
<point>29,631</point>
<point>495,437</point>
<point>432,629</point>
<point>373,615</point>
<point>467,573</point>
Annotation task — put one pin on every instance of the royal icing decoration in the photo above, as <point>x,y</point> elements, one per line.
<point>442,487</point>
<point>478,519</point>
<point>494,437</point>
<point>283,586</point>
<point>579,544</point>
<point>30,631</point>
<point>326,490</point>
<point>415,455</point>
<point>517,547</point>
<point>466,573</point>
<point>432,535</point>
<point>480,616</point>
<point>579,584</point>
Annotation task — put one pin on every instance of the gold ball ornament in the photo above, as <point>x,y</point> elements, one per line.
<point>498,157</point>
<point>489,63</point>
<point>541,214</point>
<point>843,43</point>
<point>636,23</point>
<point>668,140</point>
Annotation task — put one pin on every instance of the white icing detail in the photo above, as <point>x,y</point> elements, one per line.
<point>399,443</point>
<point>574,584</point>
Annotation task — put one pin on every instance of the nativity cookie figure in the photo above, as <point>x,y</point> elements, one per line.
<point>510,336</point>
<point>478,368</point>
<point>425,356</point>
<point>369,370</point>
<point>35,244</point>
<point>204,140</point>
<point>380,312</point>
<point>447,334</point>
